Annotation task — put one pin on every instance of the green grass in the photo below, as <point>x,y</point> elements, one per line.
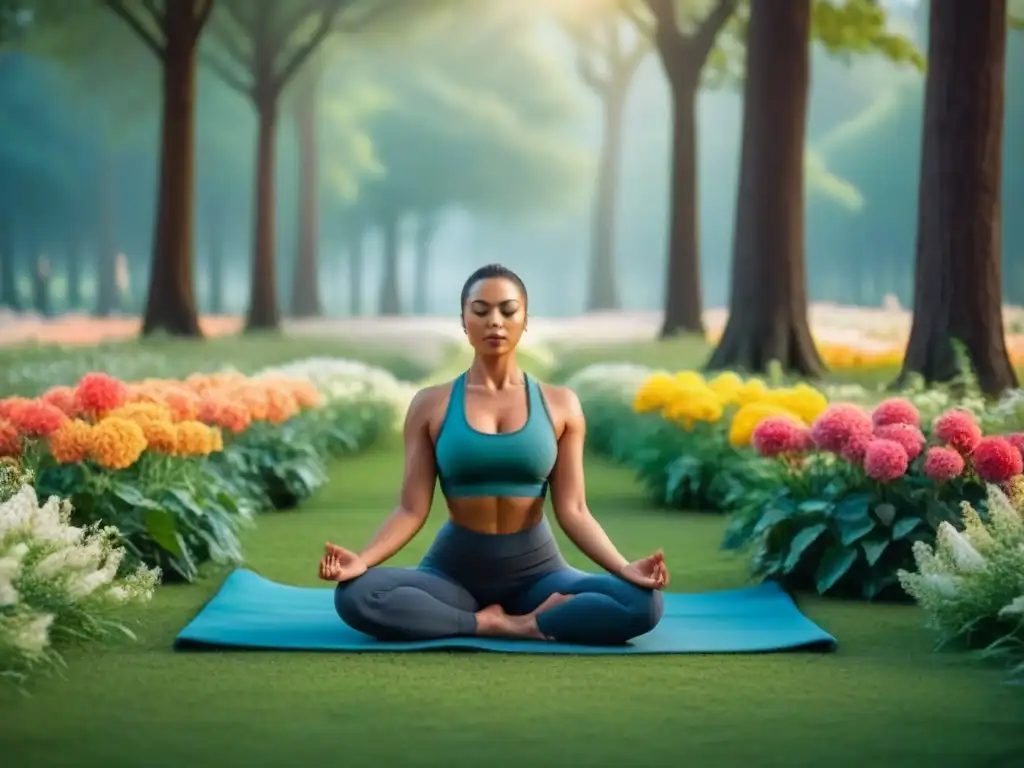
<point>883,699</point>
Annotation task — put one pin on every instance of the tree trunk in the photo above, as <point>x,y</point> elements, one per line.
<point>107,299</point>
<point>683,312</point>
<point>768,299</point>
<point>10,296</point>
<point>603,293</point>
<point>355,272</point>
<point>305,298</point>
<point>171,300</point>
<point>390,296</point>
<point>42,300</point>
<point>215,256</point>
<point>425,231</point>
<point>957,283</point>
<point>263,310</point>
<point>73,268</point>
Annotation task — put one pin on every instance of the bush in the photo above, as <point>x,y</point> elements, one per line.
<point>971,584</point>
<point>853,495</point>
<point>58,584</point>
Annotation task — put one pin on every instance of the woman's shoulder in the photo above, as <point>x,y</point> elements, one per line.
<point>561,399</point>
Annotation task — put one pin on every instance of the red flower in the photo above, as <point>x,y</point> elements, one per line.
<point>959,430</point>
<point>896,410</point>
<point>38,419</point>
<point>907,435</point>
<point>839,425</point>
<point>63,398</point>
<point>996,460</point>
<point>98,393</point>
<point>776,435</point>
<point>10,407</point>
<point>10,439</point>
<point>854,449</point>
<point>1017,441</point>
<point>885,460</point>
<point>942,464</point>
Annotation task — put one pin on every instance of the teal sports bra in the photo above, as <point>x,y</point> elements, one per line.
<point>471,463</point>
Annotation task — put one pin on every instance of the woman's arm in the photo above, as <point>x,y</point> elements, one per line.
<point>568,491</point>
<point>418,482</point>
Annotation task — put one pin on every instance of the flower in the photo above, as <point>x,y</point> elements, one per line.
<point>233,417</point>
<point>853,451</point>
<point>194,439</point>
<point>116,443</point>
<point>752,391</point>
<point>38,419</point>
<point>777,435</point>
<point>996,460</point>
<point>1017,441</point>
<point>141,412</point>
<point>10,439</point>
<point>71,443</point>
<point>98,393</point>
<point>896,410</point>
<point>61,397</point>
<point>691,404</point>
<point>746,419</point>
<point>942,464</point>
<point>10,407</point>
<point>161,436</point>
<point>960,550</point>
<point>654,393</point>
<point>183,403</point>
<point>959,430</point>
<point>281,405</point>
<point>885,460</point>
<point>840,425</point>
<point>726,385</point>
<point>33,635</point>
<point>806,402</point>
<point>907,435</point>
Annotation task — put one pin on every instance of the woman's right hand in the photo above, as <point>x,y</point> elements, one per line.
<point>341,565</point>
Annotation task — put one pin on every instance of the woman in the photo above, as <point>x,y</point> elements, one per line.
<point>495,437</point>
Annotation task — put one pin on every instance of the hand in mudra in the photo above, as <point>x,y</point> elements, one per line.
<point>340,564</point>
<point>648,572</point>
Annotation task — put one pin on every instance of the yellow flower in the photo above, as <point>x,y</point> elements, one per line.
<point>116,443</point>
<point>194,439</point>
<point>693,404</point>
<point>70,443</point>
<point>142,412</point>
<point>655,393</point>
<point>746,419</point>
<point>690,379</point>
<point>752,391</point>
<point>726,385</point>
<point>161,436</point>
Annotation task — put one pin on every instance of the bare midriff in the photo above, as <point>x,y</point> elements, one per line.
<point>496,515</point>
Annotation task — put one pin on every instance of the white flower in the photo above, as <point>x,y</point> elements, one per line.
<point>32,637</point>
<point>941,584</point>
<point>1015,608</point>
<point>964,555</point>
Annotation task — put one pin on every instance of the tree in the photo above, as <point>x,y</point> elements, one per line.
<point>171,31</point>
<point>768,302</point>
<point>607,62</point>
<point>957,283</point>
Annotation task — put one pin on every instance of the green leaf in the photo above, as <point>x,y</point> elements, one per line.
<point>876,584</point>
<point>885,513</point>
<point>853,529</point>
<point>853,507</point>
<point>800,543</point>
<point>874,547</point>
<point>904,526</point>
<point>131,496</point>
<point>812,506</point>
<point>161,528</point>
<point>772,516</point>
<point>835,564</point>
<point>684,470</point>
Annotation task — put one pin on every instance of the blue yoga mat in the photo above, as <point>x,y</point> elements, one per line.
<point>251,612</point>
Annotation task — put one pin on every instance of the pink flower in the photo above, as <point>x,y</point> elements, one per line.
<point>896,410</point>
<point>1017,441</point>
<point>885,460</point>
<point>839,425</point>
<point>942,464</point>
<point>996,460</point>
<point>854,449</point>
<point>907,435</point>
<point>959,430</point>
<point>776,435</point>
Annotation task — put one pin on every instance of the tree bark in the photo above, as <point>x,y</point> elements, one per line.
<point>171,300</point>
<point>683,306</point>
<point>10,296</point>
<point>768,300</point>
<point>42,295</point>
<point>263,309</point>
<point>603,293</point>
<point>73,267</point>
<point>215,256</point>
<point>390,296</point>
<point>957,280</point>
<point>107,298</point>
<point>355,272</point>
<point>305,298</point>
<point>425,230</point>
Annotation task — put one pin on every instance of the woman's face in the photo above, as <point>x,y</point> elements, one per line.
<point>494,316</point>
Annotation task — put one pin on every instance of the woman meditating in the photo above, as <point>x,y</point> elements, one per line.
<point>495,438</point>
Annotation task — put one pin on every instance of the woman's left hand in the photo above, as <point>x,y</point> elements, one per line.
<point>648,572</point>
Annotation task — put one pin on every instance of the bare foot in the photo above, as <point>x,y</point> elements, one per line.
<point>493,621</point>
<point>552,602</point>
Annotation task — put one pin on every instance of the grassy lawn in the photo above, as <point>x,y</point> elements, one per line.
<point>884,699</point>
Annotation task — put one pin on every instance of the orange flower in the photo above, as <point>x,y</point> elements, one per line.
<point>281,405</point>
<point>63,398</point>
<point>305,394</point>
<point>233,417</point>
<point>194,439</point>
<point>116,443</point>
<point>142,412</point>
<point>10,439</point>
<point>38,419</point>
<point>161,436</point>
<point>255,400</point>
<point>10,407</point>
<point>70,443</point>
<point>184,404</point>
<point>98,393</point>
<point>144,393</point>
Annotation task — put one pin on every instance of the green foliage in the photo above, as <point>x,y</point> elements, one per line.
<point>857,27</point>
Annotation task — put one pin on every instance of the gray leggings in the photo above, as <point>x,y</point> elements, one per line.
<point>465,571</point>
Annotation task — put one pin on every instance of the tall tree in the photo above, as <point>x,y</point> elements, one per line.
<point>768,303</point>
<point>171,30</point>
<point>957,284</point>
<point>607,59</point>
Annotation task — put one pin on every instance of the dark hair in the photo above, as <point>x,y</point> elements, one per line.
<point>489,272</point>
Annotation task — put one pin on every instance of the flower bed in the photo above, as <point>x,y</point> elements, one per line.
<point>58,583</point>
<point>179,467</point>
<point>851,496</point>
